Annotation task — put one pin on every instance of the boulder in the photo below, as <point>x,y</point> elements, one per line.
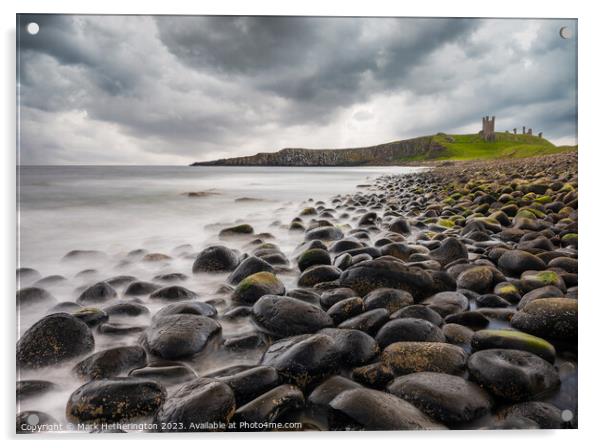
<point>513,375</point>
<point>114,400</point>
<point>54,339</point>
<point>446,398</point>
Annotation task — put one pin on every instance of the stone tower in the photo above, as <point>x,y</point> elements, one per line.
<point>488,131</point>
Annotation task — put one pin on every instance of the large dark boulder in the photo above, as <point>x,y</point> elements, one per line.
<point>513,375</point>
<point>55,338</point>
<point>305,359</point>
<point>550,318</point>
<point>410,357</point>
<point>249,266</point>
<point>34,297</point>
<point>118,361</point>
<point>386,272</point>
<point>372,410</point>
<point>285,316</point>
<point>447,398</point>
<point>115,400</point>
<point>179,335</point>
<point>204,404</point>
<point>215,259</point>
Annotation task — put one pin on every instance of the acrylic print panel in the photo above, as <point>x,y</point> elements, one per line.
<point>407,261</point>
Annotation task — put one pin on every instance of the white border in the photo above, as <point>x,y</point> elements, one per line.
<point>590,215</point>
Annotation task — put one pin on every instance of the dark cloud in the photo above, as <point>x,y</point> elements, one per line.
<point>167,89</point>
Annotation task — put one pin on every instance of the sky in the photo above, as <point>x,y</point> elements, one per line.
<point>172,90</point>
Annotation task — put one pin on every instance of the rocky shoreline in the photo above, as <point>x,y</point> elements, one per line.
<point>440,300</point>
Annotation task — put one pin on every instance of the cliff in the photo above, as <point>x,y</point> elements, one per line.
<point>384,154</point>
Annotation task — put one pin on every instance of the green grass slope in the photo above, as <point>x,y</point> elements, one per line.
<point>505,146</point>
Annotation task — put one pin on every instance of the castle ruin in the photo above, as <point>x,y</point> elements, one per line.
<point>487,132</point>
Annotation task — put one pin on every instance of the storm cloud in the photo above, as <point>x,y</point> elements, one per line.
<point>176,89</point>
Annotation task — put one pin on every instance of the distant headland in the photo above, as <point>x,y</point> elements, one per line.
<point>486,144</point>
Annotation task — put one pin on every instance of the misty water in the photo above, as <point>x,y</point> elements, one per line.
<point>119,209</point>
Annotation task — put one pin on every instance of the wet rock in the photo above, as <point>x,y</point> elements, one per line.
<point>120,280</point>
<point>118,361</point>
<point>355,347</point>
<point>551,318</point>
<point>177,293</point>
<point>400,225</point>
<point>446,303</point>
<point>139,288</point>
<point>241,229</point>
<point>450,250</point>
<point>446,398</point>
<point>346,309</point>
<point>539,293</point>
<point>492,301</point>
<point>387,273</point>
<point>329,389</point>
<point>180,335</point>
<point>165,374</point>
<point>318,274</point>
<point>304,294</point>
<point>215,259</point>
<point>26,389</point>
<point>515,262</point>
<point>248,341</point>
<point>114,400</point>
<point>375,376</point>
<point>535,280</point>
<point>546,415</point>
<point>252,288</point>
<point>373,410</point>
<point>507,291</point>
<point>512,375</point>
<point>52,340</point>
<point>419,312</point>
<point>118,329</point>
<point>130,309</point>
<point>313,257</point>
<point>369,322</point>
<point>27,275</point>
<point>513,423</point>
<point>195,406</point>
<point>249,266</point>
<point>34,297</point>
<point>477,278</point>
<point>303,360</point>
<point>270,406</point>
<point>251,383</point>
<point>285,316</point>
<point>65,307</point>
<point>92,317</point>
<point>512,339</point>
<point>194,308</point>
<point>410,357</point>
<point>79,254</point>
<point>170,278</point>
<point>324,233</point>
<point>471,319</point>
<point>457,334</point>
<point>408,329</point>
<point>50,280</point>
<point>98,293</point>
<point>237,313</point>
<point>329,298</point>
<point>388,298</point>
<point>567,264</point>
